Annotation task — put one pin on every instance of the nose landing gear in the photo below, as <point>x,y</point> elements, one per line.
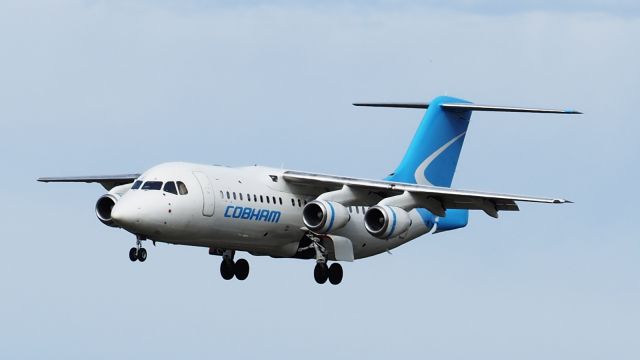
<point>229,268</point>
<point>138,252</point>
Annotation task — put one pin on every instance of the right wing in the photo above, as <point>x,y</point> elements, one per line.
<point>107,181</point>
<point>409,196</point>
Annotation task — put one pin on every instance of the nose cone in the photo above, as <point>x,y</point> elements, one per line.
<point>125,215</point>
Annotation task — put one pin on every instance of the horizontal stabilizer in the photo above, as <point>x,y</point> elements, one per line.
<point>396,105</point>
<point>469,107</point>
<point>476,107</point>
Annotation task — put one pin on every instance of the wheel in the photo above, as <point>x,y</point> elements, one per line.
<point>335,273</point>
<point>226,269</point>
<point>321,273</point>
<point>133,254</point>
<point>241,269</point>
<point>142,255</point>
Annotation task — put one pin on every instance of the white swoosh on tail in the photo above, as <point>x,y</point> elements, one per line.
<point>420,176</point>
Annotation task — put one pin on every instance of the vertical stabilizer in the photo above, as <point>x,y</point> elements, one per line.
<point>433,154</point>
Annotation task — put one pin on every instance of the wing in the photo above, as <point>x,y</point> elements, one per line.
<point>408,196</point>
<point>107,181</point>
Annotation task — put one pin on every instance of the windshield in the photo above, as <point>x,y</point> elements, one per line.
<point>152,185</point>
<point>170,187</point>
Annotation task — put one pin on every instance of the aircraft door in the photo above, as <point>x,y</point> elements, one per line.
<point>208,196</point>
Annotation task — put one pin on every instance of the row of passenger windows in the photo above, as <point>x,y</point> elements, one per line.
<point>259,198</point>
<point>177,187</point>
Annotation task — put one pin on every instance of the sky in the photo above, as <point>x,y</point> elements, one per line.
<point>108,87</point>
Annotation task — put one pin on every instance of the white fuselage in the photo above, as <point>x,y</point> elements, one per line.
<point>247,209</point>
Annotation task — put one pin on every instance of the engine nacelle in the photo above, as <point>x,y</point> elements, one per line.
<point>385,222</point>
<point>104,205</point>
<point>323,217</point>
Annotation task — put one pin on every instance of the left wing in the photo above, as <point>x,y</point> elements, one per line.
<point>408,196</point>
<point>107,181</point>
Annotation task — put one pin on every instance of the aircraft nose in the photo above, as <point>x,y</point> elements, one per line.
<point>124,214</point>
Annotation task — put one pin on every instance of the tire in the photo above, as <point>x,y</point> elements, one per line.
<point>142,255</point>
<point>226,269</point>
<point>241,269</point>
<point>335,273</point>
<point>321,273</point>
<point>133,254</point>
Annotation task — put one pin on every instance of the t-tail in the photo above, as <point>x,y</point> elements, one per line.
<point>433,154</point>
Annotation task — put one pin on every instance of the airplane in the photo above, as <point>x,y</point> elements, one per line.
<point>293,214</point>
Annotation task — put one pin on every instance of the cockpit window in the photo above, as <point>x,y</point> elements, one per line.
<point>182,188</point>
<point>136,185</point>
<point>170,187</point>
<point>152,185</point>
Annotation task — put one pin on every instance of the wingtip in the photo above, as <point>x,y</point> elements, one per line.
<point>562,201</point>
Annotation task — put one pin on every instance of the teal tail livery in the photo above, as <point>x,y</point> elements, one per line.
<point>265,211</point>
<point>434,151</point>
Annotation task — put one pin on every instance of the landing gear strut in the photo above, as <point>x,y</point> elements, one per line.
<point>229,268</point>
<point>138,252</point>
<point>322,272</point>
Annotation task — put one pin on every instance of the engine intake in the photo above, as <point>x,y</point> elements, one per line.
<point>104,205</point>
<point>324,216</point>
<point>385,222</point>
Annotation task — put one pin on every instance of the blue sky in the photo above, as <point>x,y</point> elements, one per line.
<point>97,87</point>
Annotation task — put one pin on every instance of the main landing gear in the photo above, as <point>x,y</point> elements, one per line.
<point>229,268</point>
<point>333,273</point>
<point>322,272</point>
<point>138,252</point>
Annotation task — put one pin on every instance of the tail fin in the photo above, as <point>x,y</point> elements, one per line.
<point>433,154</point>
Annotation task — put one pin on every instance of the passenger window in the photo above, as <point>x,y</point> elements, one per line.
<point>267,199</point>
<point>293,202</point>
<point>299,203</point>
<point>182,188</point>
<point>221,195</point>
<point>228,195</point>
<point>357,212</point>
<point>274,200</point>
<point>240,194</point>
<point>255,198</point>
<point>350,209</point>
<point>170,187</point>
<point>152,185</point>
<point>280,200</point>
<point>305,202</point>
<point>234,196</point>
<point>136,185</point>
<point>261,200</point>
<point>249,197</point>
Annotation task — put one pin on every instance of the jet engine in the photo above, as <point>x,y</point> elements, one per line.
<point>385,222</point>
<point>104,205</point>
<point>324,216</point>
